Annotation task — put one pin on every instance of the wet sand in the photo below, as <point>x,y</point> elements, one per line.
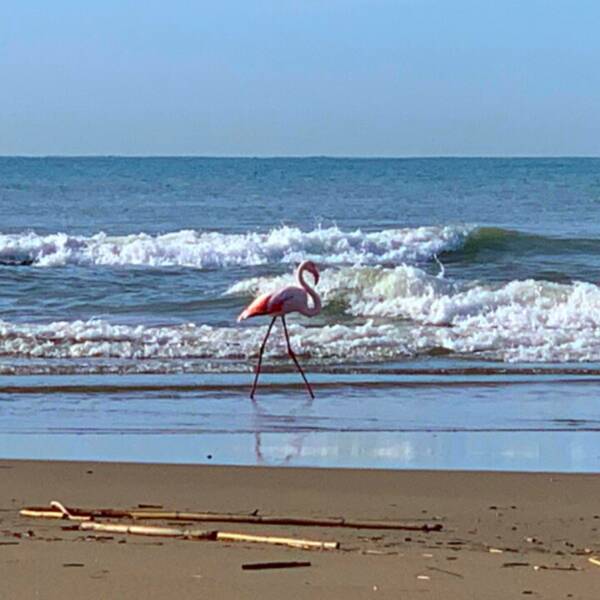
<point>505,535</point>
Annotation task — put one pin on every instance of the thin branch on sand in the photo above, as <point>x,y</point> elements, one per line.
<point>59,511</point>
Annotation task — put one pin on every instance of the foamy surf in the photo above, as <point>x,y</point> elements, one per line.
<point>403,313</point>
<point>364,291</point>
<point>391,307</point>
<point>408,292</point>
<point>212,250</point>
<point>101,339</point>
<point>529,320</point>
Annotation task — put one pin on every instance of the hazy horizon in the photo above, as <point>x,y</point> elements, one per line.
<point>316,156</point>
<point>346,78</point>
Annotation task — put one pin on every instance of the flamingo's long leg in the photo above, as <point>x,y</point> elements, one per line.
<point>260,355</point>
<point>293,357</point>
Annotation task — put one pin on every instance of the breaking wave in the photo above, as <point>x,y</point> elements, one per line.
<point>101,339</point>
<point>401,312</point>
<point>526,320</point>
<point>391,307</point>
<point>212,250</point>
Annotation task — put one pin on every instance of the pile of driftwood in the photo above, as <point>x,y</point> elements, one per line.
<point>89,520</point>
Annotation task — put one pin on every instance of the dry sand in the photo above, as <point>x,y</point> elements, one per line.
<point>504,535</point>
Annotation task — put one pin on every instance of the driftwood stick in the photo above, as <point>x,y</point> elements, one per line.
<point>57,511</point>
<point>40,513</point>
<point>281,520</point>
<point>275,565</point>
<point>201,534</point>
<point>196,534</point>
<point>66,513</point>
<point>223,536</point>
<point>86,514</point>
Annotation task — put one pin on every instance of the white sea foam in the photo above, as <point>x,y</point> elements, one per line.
<point>201,249</point>
<point>397,312</point>
<point>523,321</point>
<point>519,321</point>
<point>527,321</point>
<point>100,339</point>
<point>404,291</point>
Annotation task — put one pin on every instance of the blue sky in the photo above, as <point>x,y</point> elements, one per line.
<point>305,77</point>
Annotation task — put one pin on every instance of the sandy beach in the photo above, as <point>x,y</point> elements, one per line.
<point>504,535</point>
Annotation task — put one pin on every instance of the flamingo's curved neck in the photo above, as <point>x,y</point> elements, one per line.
<point>316,307</point>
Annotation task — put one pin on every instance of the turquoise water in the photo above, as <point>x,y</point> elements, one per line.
<point>461,321</point>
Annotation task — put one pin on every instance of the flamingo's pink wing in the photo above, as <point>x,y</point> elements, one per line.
<point>284,301</point>
<point>259,306</point>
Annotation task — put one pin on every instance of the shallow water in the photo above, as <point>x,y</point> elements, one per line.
<point>461,315</point>
<point>482,417</point>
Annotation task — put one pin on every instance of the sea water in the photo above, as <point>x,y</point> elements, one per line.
<point>460,324</point>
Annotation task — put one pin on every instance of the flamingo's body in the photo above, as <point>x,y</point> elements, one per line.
<point>292,298</point>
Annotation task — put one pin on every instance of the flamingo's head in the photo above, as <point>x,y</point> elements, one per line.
<point>309,265</point>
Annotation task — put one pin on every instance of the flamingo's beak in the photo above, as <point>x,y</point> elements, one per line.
<point>315,273</point>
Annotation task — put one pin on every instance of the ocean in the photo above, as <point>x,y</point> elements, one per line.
<point>460,324</point>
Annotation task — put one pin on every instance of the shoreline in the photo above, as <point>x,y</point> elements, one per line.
<point>504,533</point>
<point>458,420</point>
<point>355,470</point>
<point>499,451</point>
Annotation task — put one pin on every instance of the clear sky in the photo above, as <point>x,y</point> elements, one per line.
<point>302,77</point>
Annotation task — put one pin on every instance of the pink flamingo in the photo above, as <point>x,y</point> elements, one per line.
<point>289,299</point>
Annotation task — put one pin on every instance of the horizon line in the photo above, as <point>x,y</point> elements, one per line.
<point>312,156</point>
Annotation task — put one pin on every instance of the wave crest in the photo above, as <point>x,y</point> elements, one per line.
<point>526,320</point>
<point>101,339</point>
<point>203,250</point>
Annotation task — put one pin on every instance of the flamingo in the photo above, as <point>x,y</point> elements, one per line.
<point>292,298</point>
